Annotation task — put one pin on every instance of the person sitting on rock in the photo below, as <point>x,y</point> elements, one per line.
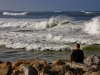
<point>77,55</point>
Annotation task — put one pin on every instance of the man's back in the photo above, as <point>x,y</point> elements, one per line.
<point>77,56</point>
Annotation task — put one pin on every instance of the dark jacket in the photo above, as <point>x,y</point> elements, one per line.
<point>77,56</point>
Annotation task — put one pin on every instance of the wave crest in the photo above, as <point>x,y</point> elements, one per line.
<point>15,14</point>
<point>87,12</point>
<point>35,24</point>
<point>93,26</point>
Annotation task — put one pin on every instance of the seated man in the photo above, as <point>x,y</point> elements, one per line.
<point>77,55</point>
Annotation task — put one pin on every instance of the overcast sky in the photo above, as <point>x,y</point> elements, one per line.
<point>50,5</point>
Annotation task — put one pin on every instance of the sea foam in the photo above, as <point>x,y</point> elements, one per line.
<point>56,33</point>
<point>93,26</point>
<point>15,14</point>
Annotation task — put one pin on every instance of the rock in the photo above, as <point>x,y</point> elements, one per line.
<point>59,62</point>
<point>69,73</point>
<point>5,68</point>
<point>39,67</point>
<point>1,62</point>
<point>87,73</point>
<point>77,71</point>
<point>60,69</point>
<point>79,65</point>
<point>42,68</point>
<point>92,60</point>
<point>16,65</point>
<point>27,69</point>
<point>92,73</point>
<point>39,60</point>
<point>30,62</point>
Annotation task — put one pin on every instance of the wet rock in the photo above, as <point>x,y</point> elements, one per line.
<point>27,70</point>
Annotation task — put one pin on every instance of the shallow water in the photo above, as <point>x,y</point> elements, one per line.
<point>17,54</point>
<point>12,55</point>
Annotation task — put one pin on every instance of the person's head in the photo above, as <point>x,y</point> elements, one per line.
<point>77,46</point>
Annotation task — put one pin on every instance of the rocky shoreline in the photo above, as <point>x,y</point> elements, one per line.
<point>38,66</point>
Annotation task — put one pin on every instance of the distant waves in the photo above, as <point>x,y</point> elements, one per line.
<point>15,14</point>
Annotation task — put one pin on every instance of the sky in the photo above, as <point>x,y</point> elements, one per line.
<point>50,5</point>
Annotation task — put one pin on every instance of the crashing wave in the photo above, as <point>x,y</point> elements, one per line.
<point>15,14</point>
<point>93,26</point>
<point>35,24</point>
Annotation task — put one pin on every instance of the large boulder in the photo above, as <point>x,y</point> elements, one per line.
<point>27,70</point>
<point>5,68</point>
<point>92,60</point>
<point>39,67</point>
<point>60,69</point>
<point>79,65</point>
<point>30,62</point>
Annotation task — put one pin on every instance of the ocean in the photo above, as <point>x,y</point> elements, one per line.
<point>49,35</point>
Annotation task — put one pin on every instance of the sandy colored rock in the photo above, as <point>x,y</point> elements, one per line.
<point>40,60</point>
<point>92,73</point>
<point>69,73</point>
<point>30,62</point>
<point>42,68</point>
<point>60,69</point>
<point>27,70</point>
<point>5,68</point>
<point>79,65</point>
<point>59,62</point>
<point>92,60</point>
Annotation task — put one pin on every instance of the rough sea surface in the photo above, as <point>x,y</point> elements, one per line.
<point>49,35</point>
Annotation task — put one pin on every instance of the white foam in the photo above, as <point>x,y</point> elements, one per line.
<point>15,14</point>
<point>87,12</point>
<point>43,34</point>
<point>93,26</point>
<point>36,24</point>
